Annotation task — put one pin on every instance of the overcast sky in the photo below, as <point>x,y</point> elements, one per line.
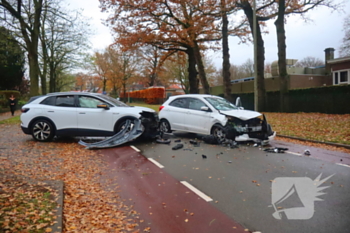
<point>303,38</point>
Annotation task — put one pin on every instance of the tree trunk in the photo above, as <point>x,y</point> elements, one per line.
<point>226,75</point>
<point>33,73</point>
<point>282,65</point>
<point>43,80</point>
<point>192,72</point>
<point>201,71</point>
<point>248,10</point>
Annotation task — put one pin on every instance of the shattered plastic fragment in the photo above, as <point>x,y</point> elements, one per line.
<point>178,146</point>
<point>307,152</point>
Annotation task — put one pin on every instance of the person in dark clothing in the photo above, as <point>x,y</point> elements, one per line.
<point>12,103</point>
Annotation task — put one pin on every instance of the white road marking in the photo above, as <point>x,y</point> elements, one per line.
<point>196,191</point>
<point>293,153</point>
<point>156,163</point>
<point>133,147</point>
<point>344,165</point>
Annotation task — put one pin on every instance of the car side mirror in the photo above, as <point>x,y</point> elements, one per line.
<point>205,108</point>
<point>105,106</point>
<point>238,102</point>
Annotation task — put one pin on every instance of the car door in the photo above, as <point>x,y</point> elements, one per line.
<point>63,113</point>
<point>93,121</point>
<point>197,120</point>
<point>176,113</point>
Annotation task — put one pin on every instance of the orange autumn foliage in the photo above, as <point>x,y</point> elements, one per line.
<point>151,95</point>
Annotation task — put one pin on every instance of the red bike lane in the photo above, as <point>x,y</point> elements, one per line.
<point>165,205</point>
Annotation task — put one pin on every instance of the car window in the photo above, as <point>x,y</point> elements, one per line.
<point>49,101</point>
<point>221,103</point>
<point>89,102</point>
<point>180,103</point>
<point>195,104</point>
<point>114,101</point>
<point>65,101</point>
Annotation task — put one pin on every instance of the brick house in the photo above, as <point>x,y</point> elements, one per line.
<point>340,69</point>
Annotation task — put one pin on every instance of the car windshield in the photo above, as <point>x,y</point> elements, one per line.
<point>114,101</point>
<point>220,103</point>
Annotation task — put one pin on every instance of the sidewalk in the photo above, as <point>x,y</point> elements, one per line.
<point>7,115</point>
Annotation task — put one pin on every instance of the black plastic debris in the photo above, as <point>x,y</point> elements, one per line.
<point>307,152</point>
<point>178,146</point>
<point>204,156</point>
<point>275,150</point>
<point>194,143</point>
<point>210,139</point>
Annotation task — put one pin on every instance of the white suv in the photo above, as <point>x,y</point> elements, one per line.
<point>213,115</point>
<point>81,114</point>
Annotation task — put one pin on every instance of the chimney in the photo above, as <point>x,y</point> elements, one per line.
<point>329,55</point>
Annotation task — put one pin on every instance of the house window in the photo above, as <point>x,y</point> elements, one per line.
<point>344,76</point>
<point>341,77</point>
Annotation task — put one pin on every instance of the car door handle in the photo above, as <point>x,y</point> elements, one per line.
<point>50,111</point>
<point>81,112</point>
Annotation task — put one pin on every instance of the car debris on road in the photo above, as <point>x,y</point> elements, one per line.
<point>275,149</point>
<point>123,136</point>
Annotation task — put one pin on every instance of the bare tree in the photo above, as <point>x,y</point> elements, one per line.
<point>310,62</point>
<point>63,42</point>
<point>345,47</point>
<point>28,26</point>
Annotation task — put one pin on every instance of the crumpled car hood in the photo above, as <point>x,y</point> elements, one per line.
<point>143,109</point>
<point>242,114</point>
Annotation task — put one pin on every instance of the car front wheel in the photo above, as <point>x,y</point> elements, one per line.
<point>42,130</point>
<point>164,126</point>
<point>219,133</point>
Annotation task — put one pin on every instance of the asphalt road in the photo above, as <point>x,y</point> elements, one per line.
<point>240,182</point>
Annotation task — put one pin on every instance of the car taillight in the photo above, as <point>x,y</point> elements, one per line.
<point>23,110</point>
<point>160,108</point>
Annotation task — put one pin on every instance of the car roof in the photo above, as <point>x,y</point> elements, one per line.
<point>72,93</point>
<point>193,95</point>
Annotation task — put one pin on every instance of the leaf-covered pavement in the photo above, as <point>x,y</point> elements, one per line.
<point>315,126</point>
<point>89,206</point>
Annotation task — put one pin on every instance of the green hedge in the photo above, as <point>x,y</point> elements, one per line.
<point>330,99</point>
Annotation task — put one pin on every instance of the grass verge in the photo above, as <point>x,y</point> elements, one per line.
<point>12,120</point>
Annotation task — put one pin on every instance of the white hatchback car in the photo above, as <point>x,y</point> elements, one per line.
<point>82,114</point>
<point>213,115</point>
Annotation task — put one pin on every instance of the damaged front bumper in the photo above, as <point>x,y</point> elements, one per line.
<point>245,137</point>
<point>255,129</point>
<point>150,123</point>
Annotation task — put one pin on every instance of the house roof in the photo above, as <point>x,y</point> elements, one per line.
<point>339,60</point>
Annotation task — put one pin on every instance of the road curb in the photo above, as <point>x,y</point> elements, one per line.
<point>57,185</point>
<point>314,141</point>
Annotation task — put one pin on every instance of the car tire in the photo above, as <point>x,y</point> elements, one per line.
<point>164,126</point>
<point>42,130</point>
<point>121,125</point>
<point>219,133</point>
